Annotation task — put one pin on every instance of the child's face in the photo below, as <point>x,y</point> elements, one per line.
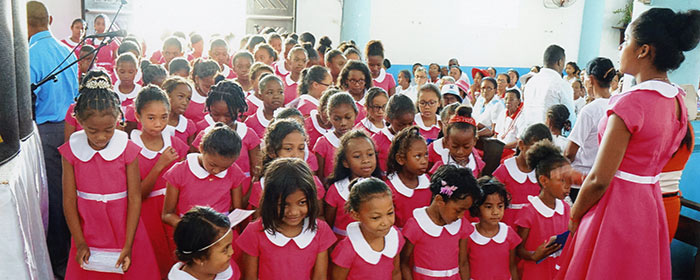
<point>569,70</point>
<point>415,161</point>
<point>578,90</point>
<point>296,208</point>
<point>242,68</point>
<point>337,64</point>
<point>376,215</point>
<point>77,30</point>
<point>180,99</point>
<point>461,142</point>
<point>272,96</point>
<point>428,102</point>
<point>219,54</point>
<point>220,113</point>
<point>356,82</point>
<point>220,254</point>
<point>377,107</point>
<point>360,157</point>
<point>215,163</point>
<point>452,210</point>
<point>434,71</point>
<point>558,184</point>
<point>256,86</point>
<point>99,128</point>
<point>317,88</point>
<point>401,122</point>
<point>492,209</point>
<point>99,25</point>
<point>84,64</point>
<point>293,146</point>
<point>276,44</point>
<point>375,64</point>
<point>170,52</point>
<point>298,61</point>
<point>204,84</point>
<point>198,47</point>
<point>126,71</point>
<point>153,118</point>
<point>513,78</point>
<point>342,118</point>
<point>263,56</point>
<point>287,48</point>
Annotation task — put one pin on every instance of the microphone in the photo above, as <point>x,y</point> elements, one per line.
<point>118,33</point>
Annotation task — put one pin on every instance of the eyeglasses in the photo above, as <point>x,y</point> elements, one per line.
<point>359,82</point>
<point>429,103</point>
<point>320,83</point>
<point>377,108</point>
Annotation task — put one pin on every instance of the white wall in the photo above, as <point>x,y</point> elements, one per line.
<point>63,13</point>
<point>508,33</point>
<point>320,17</point>
<point>610,37</point>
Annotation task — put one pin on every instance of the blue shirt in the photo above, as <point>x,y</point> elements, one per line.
<point>52,98</point>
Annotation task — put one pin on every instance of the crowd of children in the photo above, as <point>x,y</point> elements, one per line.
<point>349,176</point>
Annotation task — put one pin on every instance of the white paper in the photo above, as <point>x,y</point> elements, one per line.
<point>103,260</point>
<point>238,215</point>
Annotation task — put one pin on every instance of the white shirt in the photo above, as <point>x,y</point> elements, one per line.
<point>488,113</point>
<point>560,141</point>
<point>543,90</point>
<point>585,134</point>
<point>580,102</point>
<point>506,128</point>
<point>411,92</point>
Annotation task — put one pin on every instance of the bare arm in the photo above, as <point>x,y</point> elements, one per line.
<point>541,252</point>
<point>571,150</point>
<point>321,266</point>
<point>170,206</point>
<point>513,266</point>
<point>463,259</point>
<point>68,129</point>
<point>133,212</point>
<point>392,90</point>
<point>406,264</point>
<point>329,213</point>
<point>338,272</point>
<point>250,267</point>
<point>236,197</point>
<point>167,157</point>
<point>255,162</point>
<point>396,273</point>
<point>321,168</point>
<point>70,210</point>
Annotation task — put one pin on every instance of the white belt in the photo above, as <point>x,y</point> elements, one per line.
<point>517,206</point>
<point>637,178</point>
<point>102,197</point>
<point>340,231</point>
<point>436,273</point>
<point>157,193</point>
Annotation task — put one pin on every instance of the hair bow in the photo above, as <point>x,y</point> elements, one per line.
<point>447,189</point>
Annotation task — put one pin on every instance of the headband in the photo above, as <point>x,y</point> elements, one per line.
<point>462,119</point>
<point>208,246</point>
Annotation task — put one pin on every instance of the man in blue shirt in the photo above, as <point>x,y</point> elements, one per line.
<point>52,102</point>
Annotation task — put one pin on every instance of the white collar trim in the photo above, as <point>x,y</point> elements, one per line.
<point>209,119</point>
<point>382,75</point>
<point>70,42</point>
<point>665,89</point>
<point>343,188</point>
<point>255,100</point>
<point>332,138</point>
<point>197,98</point>
<point>543,209</point>
<point>314,120</point>
<point>429,227</point>
<point>181,124</point>
<point>261,117</point>
<point>123,96</point>
<point>81,149</point>
<point>281,68</point>
<point>302,240</point>
<point>471,164</point>
<point>176,273</point>
<point>149,154</point>
<point>226,71</point>
<point>423,183</point>
<point>288,80</point>
<point>365,251</point>
<point>241,129</point>
<point>310,98</point>
<point>419,122</point>
<point>517,175</point>
<point>500,237</point>
<point>370,126</point>
<point>198,170</point>
<point>388,134</point>
<point>439,148</point>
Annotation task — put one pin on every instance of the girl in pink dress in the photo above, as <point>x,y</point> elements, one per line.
<point>400,111</point>
<point>314,81</point>
<point>357,158</point>
<point>241,63</point>
<point>644,128</point>
<point>272,94</point>
<point>375,61</point>
<point>491,247</point>
<point>376,108</point>
<point>105,58</point>
<point>204,240</point>
<point>341,113</point>
<point>520,180</point>
<point>254,101</point>
<point>226,103</point>
<point>296,59</point>
<point>159,151</point>
<point>294,114</point>
<point>101,195</point>
<point>355,78</point>
<point>371,250</point>
<point>406,167</point>
<point>285,138</point>
<point>125,86</point>
<point>219,52</point>
<point>427,118</point>
<point>203,73</point>
<point>318,124</point>
<point>436,235</point>
<point>288,240</point>
<point>547,215</point>
<point>437,148</point>
<point>72,124</point>
<point>179,93</point>
<point>460,137</point>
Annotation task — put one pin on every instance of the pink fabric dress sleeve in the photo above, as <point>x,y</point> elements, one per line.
<point>525,217</point>
<point>320,190</point>
<point>412,231</point>
<point>343,254</point>
<point>237,176</point>
<point>198,139</point>
<point>333,197</point>
<point>131,152</point>
<point>628,109</point>
<point>324,235</point>
<point>67,153</point>
<point>180,147</point>
<point>251,140</point>
<point>513,238</point>
<point>248,241</point>
<point>174,175</point>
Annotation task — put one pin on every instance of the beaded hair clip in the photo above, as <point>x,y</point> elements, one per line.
<point>97,83</point>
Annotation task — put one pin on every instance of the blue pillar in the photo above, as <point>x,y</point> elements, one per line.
<point>591,31</point>
<point>356,21</point>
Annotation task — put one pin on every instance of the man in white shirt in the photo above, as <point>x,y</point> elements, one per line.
<point>547,88</point>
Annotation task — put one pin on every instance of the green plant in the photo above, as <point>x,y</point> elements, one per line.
<point>626,13</point>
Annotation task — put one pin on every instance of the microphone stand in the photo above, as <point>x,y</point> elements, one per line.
<point>108,30</point>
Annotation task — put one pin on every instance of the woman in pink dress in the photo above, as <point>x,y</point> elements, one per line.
<point>619,209</point>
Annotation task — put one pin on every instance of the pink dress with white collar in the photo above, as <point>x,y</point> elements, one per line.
<point>543,222</point>
<point>436,248</point>
<point>290,89</point>
<point>70,119</point>
<point>183,130</point>
<point>126,98</point>
<point>280,69</point>
<point>257,190</point>
<point>152,207</point>
<point>356,255</point>
<point>489,258</point>
<point>101,185</point>
<point>368,127</point>
<point>428,132</point>
<point>382,141</point>
<point>384,80</point>
<point>435,151</point>
<point>253,104</point>
<point>336,197</point>
<point>228,73</point>
<point>407,199</point>
<point>258,122</point>
<point>307,103</point>
<point>249,141</point>
<point>519,185</point>
<point>313,128</point>
<point>281,257</point>
<point>196,110</point>
<point>325,147</point>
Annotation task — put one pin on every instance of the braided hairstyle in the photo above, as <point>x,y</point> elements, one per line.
<point>402,142</point>
<point>199,227</point>
<point>97,97</point>
<point>232,94</point>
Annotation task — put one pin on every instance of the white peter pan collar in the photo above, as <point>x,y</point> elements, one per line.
<point>176,273</point>
<point>517,175</point>
<point>543,209</point>
<point>288,80</point>
<point>423,183</point>
<point>81,149</point>
<point>255,100</point>
<point>471,164</point>
<point>388,133</point>
<point>665,89</point>
<point>314,120</point>
<point>281,68</point>
<point>260,115</point>
<point>332,138</point>
<point>343,188</point>
<point>197,98</point>
<point>310,98</point>
<point>226,72</point>
<point>129,95</point>
<point>241,129</point>
<point>499,238</point>
<point>181,124</point>
<point>381,76</point>
<point>419,122</point>
<point>149,154</point>
<point>209,119</point>
<point>365,251</point>
<point>302,240</point>
<point>439,148</point>
<point>429,227</point>
<point>370,126</point>
<point>198,170</point>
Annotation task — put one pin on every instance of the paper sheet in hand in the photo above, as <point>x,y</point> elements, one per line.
<point>238,215</point>
<point>103,260</point>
